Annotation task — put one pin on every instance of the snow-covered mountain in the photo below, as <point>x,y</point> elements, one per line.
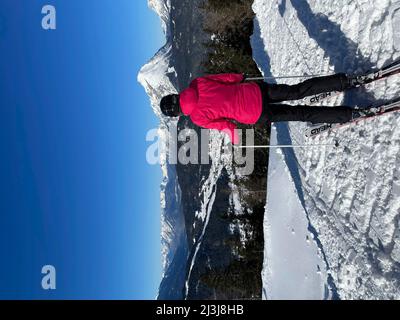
<point>155,76</point>
<point>197,200</point>
<point>162,8</point>
<point>348,196</point>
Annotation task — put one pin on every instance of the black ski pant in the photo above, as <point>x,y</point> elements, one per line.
<point>274,111</point>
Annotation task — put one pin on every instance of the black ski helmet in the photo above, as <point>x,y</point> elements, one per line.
<point>170,105</point>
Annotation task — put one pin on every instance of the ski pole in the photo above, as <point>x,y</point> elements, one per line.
<point>288,77</point>
<point>336,144</point>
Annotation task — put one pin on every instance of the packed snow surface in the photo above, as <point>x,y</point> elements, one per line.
<point>350,195</point>
<point>294,267</point>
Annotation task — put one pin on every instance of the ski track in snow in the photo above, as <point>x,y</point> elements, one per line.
<point>351,194</point>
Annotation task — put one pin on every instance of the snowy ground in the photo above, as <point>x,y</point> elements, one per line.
<point>349,195</point>
<point>293,266</point>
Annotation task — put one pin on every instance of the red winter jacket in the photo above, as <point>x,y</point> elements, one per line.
<point>213,101</point>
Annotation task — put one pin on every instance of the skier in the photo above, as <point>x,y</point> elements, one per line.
<point>217,101</point>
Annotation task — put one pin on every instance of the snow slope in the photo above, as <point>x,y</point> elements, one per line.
<point>351,194</point>
<point>294,267</point>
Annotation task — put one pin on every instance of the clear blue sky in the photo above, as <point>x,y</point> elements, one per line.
<point>76,190</point>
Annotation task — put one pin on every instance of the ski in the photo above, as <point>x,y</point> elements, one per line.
<point>382,73</point>
<point>320,97</point>
<point>386,108</point>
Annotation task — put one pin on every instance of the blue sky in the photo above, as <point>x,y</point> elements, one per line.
<point>76,190</point>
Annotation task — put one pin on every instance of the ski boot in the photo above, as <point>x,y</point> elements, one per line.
<point>360,80</point>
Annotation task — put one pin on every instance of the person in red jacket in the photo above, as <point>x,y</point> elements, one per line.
<point>217,101</point>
